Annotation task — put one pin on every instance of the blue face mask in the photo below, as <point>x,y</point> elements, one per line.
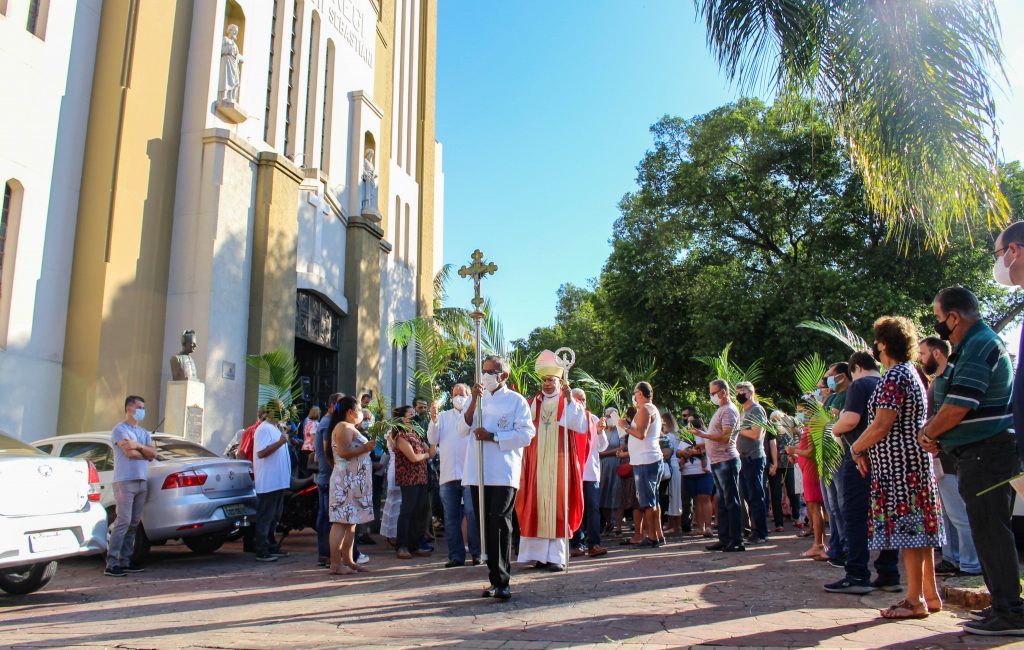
<point>140,414</point>
<point>831,382</point>
<point>817,394</point>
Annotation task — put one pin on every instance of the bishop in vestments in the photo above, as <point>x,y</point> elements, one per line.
<point>544,486</point>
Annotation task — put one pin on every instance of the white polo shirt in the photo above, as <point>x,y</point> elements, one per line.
<point>506,414</point>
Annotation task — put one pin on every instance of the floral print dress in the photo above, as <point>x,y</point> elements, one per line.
<point>905,511</point>
<point>351,496</point>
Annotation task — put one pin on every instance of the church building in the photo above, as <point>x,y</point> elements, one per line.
<point>264,172</point>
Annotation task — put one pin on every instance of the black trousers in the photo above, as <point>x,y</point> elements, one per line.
<point>499,507</point>
<point>412,517</point>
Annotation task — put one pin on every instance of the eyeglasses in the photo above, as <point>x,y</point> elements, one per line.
<point>492,372</point>
<point>999,251</point>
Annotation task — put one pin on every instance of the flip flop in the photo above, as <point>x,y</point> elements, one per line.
<point>901,610</point>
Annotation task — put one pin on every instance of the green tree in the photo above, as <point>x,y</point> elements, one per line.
<point>904,84</point>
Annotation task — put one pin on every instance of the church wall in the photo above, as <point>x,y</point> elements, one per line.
<point>42,143</point>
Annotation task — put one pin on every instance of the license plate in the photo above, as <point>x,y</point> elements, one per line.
<point>235,510</point>
<point>52,540</point>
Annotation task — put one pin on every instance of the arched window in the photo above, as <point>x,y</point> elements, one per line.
<point>312,85</point>
<point>10,219</point>
<point>38,11</point>
<point>273,76</point>
<point>292,100</point>
<point>328,117</point>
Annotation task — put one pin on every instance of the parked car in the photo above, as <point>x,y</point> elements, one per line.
<point>49,510</point>
<point>194,494</point>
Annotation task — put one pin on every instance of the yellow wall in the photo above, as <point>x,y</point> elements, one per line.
<point>114,344</point>
<point>427,158</point>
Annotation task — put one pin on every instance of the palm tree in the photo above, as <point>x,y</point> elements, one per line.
<point>278,382</point>
<point>905,84</point>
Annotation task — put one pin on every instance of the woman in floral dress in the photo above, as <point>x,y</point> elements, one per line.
<point>904,510</point>
<point>351,487</point>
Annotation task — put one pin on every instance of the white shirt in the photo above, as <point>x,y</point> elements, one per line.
<point>648,450</point>
<point>691,467</point>
<point>598,443</point>
<point>275,471</point>
<point>450,434</point>
<point>506,414</point>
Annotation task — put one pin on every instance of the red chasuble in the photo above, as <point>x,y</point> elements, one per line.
<point>527,500</point>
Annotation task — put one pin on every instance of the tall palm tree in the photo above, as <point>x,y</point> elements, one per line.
<point>905,84</point>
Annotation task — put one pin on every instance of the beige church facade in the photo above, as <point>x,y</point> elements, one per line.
<point>264,172</point>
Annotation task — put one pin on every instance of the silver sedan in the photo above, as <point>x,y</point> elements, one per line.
<point>194,494</point>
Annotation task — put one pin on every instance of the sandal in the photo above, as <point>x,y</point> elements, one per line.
<point>933,608</point>
<point>903,609</point>
<point>358,568</point>
<point>343,571</point>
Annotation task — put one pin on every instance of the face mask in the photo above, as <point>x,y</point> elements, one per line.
<point>490,382</point>
<point>359,420</point>
<point>875,352</point>
<point>550,393</point>
<point>716,400</point>
<point>459,402</point>
<point>140,415</point>
<point>832,381</point>
<point>634,400</point>
<point>800,418</point>
<point>742,398</point>
<point>817,394</point>
<point>943,330</point>
<point>1001,272</point>
<point>613,419</point>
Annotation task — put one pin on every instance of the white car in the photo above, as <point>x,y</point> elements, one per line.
<point>49,510</point>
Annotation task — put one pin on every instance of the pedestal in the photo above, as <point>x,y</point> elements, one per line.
<point>231,111</point>
<point>183,410</point>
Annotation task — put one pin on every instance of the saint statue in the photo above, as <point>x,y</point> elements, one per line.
<point>369,185</point>
<point>230,62</point>
<point>183,367</point>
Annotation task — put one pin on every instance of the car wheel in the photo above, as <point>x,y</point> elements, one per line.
<point>205,544</point>
<point>26,579</point>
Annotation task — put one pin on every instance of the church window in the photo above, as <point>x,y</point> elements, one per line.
<point>328,117</point>
<point>10,214</point>
<point>293,65</point>
<point>37,12</point>
<point>273,78</point>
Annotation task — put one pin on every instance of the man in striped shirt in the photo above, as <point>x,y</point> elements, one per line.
<point>973,423</point>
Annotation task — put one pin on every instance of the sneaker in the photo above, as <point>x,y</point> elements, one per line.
<point>717,546</point>
<point>266,557</point>
<point>476,560</point>
<point>363,558</point>
<point>114,572</point>
<point>429,548</point>
<point>133,568</point>
<point>995,626</point>
<point>757,541</point>
<point>837,563</point>
<point>279,553</point>
<point>886,585</point>
<point>848,586</point>
<point>577,552</point>
<point>323,561</point>
<point>735,548</point>
<point>946,568</point>
<point>980,614</point>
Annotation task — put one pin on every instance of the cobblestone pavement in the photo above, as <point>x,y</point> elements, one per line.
<point>676,596</point>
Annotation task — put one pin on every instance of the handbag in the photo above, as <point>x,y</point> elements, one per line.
<point>625,470</point>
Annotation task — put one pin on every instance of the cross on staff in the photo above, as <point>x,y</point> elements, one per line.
<point>478,270</point>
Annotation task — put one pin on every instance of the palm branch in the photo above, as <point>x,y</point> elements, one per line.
<point>904,84</point>
<point>601,394</point>
<point>724,368</point>
<point>644,369</point>
<point>522,372</point>
<point>828,451</point>
<point>492,331</point>
<point>809,372</point>
<point>278,382</point>
<point>838,330</point>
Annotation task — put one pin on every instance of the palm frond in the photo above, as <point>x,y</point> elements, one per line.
<point>838,330</point>
<point>645,369</point>
<point>809,372</point>
<point>522,373</point>
<point>278,387</point>
<point>828,451</point>
<point>906,85</point>
<point>493,333</point>
<point>441,280</point>
<point>601,394</point>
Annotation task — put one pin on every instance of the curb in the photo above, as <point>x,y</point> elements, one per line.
<point>965,597</point>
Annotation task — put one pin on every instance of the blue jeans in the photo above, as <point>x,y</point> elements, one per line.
<point>856,491</point>
<point>590,529</point>
<point>730,521</point>
<point>457,502</point>
<point>959,545</point>
<point>837,526</point>
<point>323,522</point>
<point>752,482</point>
<point>130,499</point>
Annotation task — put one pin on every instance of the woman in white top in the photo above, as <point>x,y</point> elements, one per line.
<point>646,457</point>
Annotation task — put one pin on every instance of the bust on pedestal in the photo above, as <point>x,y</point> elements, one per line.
<point>186,395</point>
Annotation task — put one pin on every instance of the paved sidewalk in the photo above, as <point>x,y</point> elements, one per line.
<point>676,596</point>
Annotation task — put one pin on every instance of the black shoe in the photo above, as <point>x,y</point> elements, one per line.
<point>648,543</point>
<point>848,586</point>
<point>133,568</point>
<point>489,593</point>
<point>735,548</point>
<point>279,553</point>
<point>981,614</point>
<point>757,541</point>
<point>555,568</point>
<point>453,563</point>
<point>366,540</point>
<point>886,585</point>
<point>539,565</point>
<point>837,563</point>
<point>946,568</point>
<point>995,626</point>
<point>114,572</point>
<point>266,557</point>
<point>717,546</point>
<point>476,561</point>
<point>964,574</point>
<point>502,593</point>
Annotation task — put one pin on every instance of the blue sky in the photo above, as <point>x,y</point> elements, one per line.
<point>544,107</point>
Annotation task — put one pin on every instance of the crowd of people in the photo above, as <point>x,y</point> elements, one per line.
<point>926,428</point>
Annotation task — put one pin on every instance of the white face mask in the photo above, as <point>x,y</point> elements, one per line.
<point>359,419</point>
<point>1001,272</point>
<point>459,402</point>
<point>489,382</point>
<point>634,400</point>
<point>613,419</point>
<point>716,400</point>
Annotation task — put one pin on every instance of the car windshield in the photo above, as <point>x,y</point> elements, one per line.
<point>174,449</point>
<point>11,447</point>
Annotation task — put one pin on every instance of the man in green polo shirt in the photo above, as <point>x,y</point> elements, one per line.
<point>973,423</point>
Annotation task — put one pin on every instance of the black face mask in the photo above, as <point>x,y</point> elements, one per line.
<point>742,398</point>
<point>943,330</point>
<point>875,352</point>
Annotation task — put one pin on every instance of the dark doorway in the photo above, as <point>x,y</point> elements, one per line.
<point>317,328</point>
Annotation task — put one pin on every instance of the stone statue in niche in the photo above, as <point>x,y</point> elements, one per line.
<point>183,367</point>
<point>369,206</point>
<point>230,66</point>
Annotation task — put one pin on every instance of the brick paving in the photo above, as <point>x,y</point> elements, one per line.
<point>676,596</point>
